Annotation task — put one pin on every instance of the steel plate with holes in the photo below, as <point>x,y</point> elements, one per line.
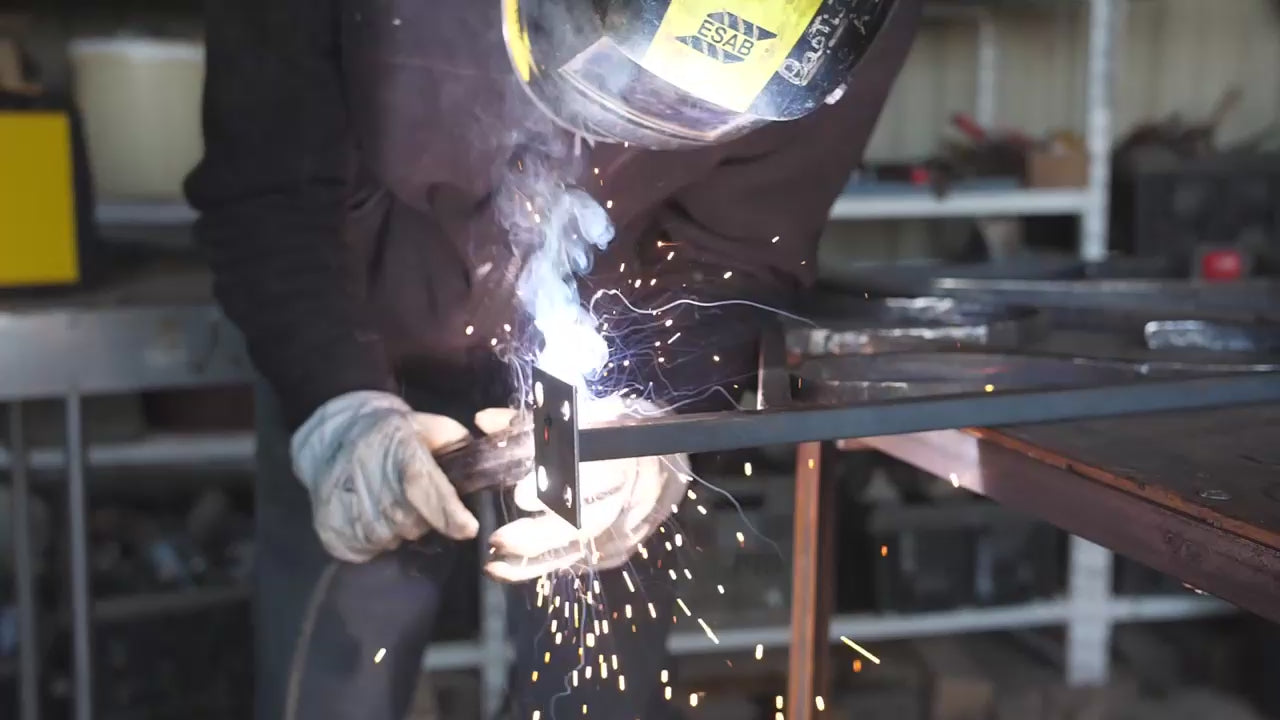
<point>555,447</point>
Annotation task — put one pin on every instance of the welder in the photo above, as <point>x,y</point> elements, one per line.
<point>354,151</point>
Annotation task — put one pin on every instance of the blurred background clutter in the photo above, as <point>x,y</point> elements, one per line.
<point>1002,155</point>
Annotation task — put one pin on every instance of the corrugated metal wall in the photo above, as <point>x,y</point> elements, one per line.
<point>1172,56</point>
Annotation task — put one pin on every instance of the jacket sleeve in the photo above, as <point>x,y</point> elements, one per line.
<point>271,192</point>
<point>780,181</point>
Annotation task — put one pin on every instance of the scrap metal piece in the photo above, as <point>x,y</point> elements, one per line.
<point>846,326</point>
<point>865,378</point>
<point>555,446</point>
<point>1212,335</point>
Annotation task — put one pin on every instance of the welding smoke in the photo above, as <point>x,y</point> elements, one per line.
<point>555,228</point>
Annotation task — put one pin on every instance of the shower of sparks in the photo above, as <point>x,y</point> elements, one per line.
<point>861,650</point>
<point>597,352</point>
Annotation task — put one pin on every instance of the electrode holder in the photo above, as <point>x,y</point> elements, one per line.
<point>555,446</point>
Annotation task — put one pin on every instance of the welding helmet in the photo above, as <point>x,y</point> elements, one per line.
<point>669,74</point>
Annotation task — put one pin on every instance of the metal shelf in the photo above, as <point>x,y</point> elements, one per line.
<point>144,214</point>
<point>220,449</point>
<point>959,204</point>
<point>1045,613</point>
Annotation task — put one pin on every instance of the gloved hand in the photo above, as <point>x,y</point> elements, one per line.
<point>365,457</point>
<point>623,503</point>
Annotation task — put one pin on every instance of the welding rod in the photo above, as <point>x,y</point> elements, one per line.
<point>503,459</point>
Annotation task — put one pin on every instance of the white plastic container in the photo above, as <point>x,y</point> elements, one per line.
<point>140,99</point>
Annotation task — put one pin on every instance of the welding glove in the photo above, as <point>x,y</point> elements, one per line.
<point>623,502</point>
<point>366,459</point>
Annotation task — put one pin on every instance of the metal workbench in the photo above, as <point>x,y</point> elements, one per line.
<point>155,328</point>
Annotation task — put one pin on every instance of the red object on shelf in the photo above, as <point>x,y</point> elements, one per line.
<point>1226,264</point>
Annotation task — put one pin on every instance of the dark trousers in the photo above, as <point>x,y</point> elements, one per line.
<point>336,641</point>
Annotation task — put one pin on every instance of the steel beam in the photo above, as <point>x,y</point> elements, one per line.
<point>713,432</point>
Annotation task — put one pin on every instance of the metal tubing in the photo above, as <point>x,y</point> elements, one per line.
<point>711,432</point>
<point>1094,222</point>
<point>1088,649</point>
<point>24,570</point>
<point>77,522</point>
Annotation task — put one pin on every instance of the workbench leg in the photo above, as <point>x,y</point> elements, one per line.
<point>24,570</point>
<point>493,624</point>
<point>811,586</point>
<point>1088,655</point>
<point>77,523</point>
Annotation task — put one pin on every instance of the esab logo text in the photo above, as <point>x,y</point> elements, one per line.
<point>726,37</point>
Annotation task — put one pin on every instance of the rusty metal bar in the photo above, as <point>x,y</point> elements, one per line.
<point>810,611</point>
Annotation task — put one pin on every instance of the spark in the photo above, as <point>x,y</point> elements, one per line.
<point>702,510</point>
<point>707,629</point>
<point>653,612</point>
<point>377,658</point>
<point>746,469</point>
<point>673,338</point>
<point>666,692</point>
<point>622,683</point>
<point>777,702</point>
<point>857,665</point>
<point>742,539</point>
<point>671,254</point>
<point>989,388</point>
<point>537,715</point>
<point>819,703</point>
<point>534,676</point>
<point>470,329</point>
<point>684,607</point>
<point>622,267</point>
<point>715,358</point>
<point>720,589</point>
<point>759,652</point>
<point>693,700</point>
<point>506,327</point>
<point>955,480</point>
<point>663,676</point>
<point>728,275</point>
<point>863,651</point>
<point>679,540</point>
<point>608,205</point>
<point>775,238</point>
<point>884,551</point>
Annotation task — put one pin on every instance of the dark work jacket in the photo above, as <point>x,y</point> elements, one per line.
<point>352,148</point>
